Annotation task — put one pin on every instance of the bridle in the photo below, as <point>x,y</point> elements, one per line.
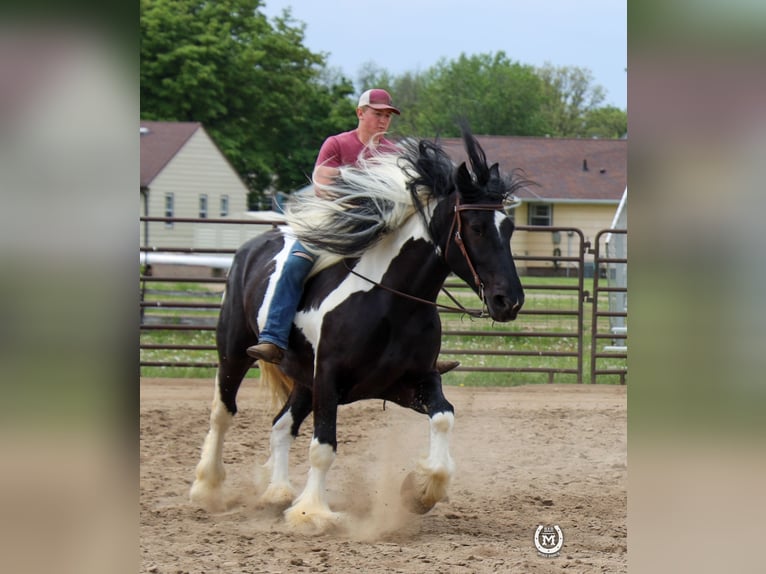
<point>456,223</point>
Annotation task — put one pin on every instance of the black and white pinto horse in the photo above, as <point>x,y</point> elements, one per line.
<point>367,327</point>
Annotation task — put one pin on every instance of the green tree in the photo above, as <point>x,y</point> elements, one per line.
<point>249,81</point>
<point>408,91</point>
<point>370,75</point>
<point>569,96</point>
<point>495,95</point>
<point>605,122</point>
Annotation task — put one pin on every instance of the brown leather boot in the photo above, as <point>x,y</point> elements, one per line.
<point>268,352</point>
<point>445,366</point>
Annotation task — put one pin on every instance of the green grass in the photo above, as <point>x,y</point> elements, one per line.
<point>468,348</point>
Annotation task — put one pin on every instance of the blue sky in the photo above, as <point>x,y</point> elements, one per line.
<point>412,35</point>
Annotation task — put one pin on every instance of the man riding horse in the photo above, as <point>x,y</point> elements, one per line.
<point>385,237</point>
<point>374,113</point>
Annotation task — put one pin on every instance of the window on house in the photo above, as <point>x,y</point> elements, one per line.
<point>203,206</point>
<point>224,205</point>
<point>169,208</point>
<point>540,214</point>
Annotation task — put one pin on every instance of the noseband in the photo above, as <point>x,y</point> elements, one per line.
<point>457,222</point>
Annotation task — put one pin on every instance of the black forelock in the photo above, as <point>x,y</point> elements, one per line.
<point>486,183</point>
<point>427,166</point>
<point>430,169</point>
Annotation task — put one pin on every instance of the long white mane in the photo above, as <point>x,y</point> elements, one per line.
<point>347,217</point>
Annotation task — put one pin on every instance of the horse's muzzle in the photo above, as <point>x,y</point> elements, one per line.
<point>503,309</point>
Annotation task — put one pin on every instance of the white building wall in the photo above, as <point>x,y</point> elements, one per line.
<point>198,168</point>
<point>590,218</point>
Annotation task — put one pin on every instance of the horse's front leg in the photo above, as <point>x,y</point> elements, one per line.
<point>428,484</point>
<point>311,507</point>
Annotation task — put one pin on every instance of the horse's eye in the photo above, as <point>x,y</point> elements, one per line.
<point>477,229</point>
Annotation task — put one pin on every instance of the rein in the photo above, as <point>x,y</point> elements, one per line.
<point>472,312</point>
<point>456,221</point>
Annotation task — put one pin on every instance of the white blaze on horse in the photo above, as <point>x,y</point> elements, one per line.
<point>367,326</point>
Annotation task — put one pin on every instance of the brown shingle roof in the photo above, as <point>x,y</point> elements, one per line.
<point>556,165</point>
<point>160,142</point>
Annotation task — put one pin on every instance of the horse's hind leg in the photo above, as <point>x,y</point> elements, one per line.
<point>279,491</point>
<point>428,484</point>
<point>207,491</point>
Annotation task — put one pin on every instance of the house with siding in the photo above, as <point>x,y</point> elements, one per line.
<point>580,183</point>
<point>185,175</point>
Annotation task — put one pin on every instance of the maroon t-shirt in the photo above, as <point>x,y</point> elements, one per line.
<point>344,149</point>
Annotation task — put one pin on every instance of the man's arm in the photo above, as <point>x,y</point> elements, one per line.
<point>326,168</point>
<point>324,175</point>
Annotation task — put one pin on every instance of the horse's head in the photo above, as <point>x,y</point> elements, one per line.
<point>478,245</point>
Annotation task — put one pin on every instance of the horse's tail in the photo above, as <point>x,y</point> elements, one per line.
<point>277,382</point>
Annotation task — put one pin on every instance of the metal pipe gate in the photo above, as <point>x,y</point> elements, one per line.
<point>545,344</point>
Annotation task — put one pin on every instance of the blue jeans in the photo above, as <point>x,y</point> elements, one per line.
<point>287,295</point>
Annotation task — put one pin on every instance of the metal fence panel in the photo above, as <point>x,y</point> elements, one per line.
<point>547,343</point>
<point>609,328</point>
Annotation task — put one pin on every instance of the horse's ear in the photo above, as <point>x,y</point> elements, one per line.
<point>464,180</point>
<point>494,171</point>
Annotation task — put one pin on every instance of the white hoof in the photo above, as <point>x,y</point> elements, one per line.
<point>422,490</point>
<point>313,520</point>
<point>208,497</point>
<point>278,495</point>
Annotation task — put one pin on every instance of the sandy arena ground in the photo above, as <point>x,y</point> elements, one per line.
<point>525,456</point>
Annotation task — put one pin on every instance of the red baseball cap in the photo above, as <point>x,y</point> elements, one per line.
<point>377,99</point>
